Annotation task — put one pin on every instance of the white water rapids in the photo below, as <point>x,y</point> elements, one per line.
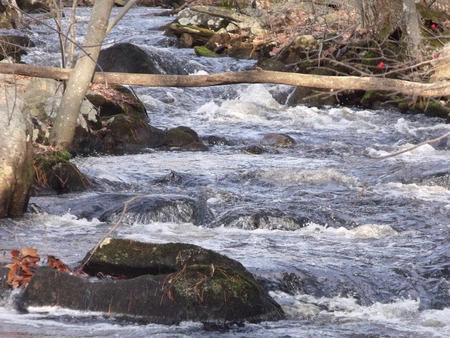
<point>349,246</point>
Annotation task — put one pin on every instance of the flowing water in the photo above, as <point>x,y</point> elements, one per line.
<point>348,245</point>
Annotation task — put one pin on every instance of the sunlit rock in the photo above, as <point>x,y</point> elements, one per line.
<point>158,283</point>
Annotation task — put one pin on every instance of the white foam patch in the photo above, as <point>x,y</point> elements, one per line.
<point>420,153</point>
<point>403,314</point>
<point>365,231</point>
<point>314,177</point>
<point>425,193</point>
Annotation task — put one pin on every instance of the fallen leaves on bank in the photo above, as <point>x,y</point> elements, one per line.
<point>24,265</point>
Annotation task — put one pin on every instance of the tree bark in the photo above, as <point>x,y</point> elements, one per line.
<point>390,18</point>
<point>433,89</point>
<point>379,15</point>
<point>66,120</point>
<point>411,19</point>
<point>16,155</point>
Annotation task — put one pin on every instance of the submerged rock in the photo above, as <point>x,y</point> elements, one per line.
<point>13,46</point>
<point>251,219</point>
<point>167,283</point>
<point>145,209</point>
<point>278,140</point>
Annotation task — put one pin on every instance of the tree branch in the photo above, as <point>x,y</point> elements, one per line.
<point>410,148</point>
<point>435,89</point>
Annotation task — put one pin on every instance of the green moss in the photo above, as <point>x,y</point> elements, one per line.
<point>369,59</point>
<point>214,285</point>
<point>203,51</point>
<point>432,108</point>
<point>52,158</point>
<point>178,138</point>
<point>429,14</point>
<point>54,171</point>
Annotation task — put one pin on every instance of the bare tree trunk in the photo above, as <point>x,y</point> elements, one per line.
<point>411,19</point>
<point>66,120</point>
<point>16,155</point>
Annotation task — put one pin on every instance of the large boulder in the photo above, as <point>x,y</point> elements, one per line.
<point>126,58</point>
<point>12,46</point>
<point>112,120</point>
<point>146,209</point>
<point>159,283</point>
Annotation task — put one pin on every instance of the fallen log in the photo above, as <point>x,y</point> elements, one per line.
<point>434,89</point>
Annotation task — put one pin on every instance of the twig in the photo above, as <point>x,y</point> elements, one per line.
<point>411,148</point>
<point>119,221</point>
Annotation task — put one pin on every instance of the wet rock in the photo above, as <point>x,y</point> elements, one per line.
<point>120,257</point>
<point>167,283</point>
<point>251,219</point>
<point>122,124</point>
<point>171,178</point>
<point>35,6</point>
<point>216,140</point>
<point>254,150</point>
<point>54,173</point>
<point>258,150</point>
<point>195,146</point>
<point>126,58</point>
<point>4,286</point>
<point>112,100</point>
<point>184,138</point>
<point>146,209</point>
<point>13,46</point>
<point>278,140</point>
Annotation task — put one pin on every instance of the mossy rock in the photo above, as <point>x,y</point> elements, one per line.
<point>118,257</point>
<point>180,137</point>
<point>54,173</point>
<point>214,296</point>
<point>128,133</point>
<point>432,108</point>
<point>116,99</point>
<point>159,283</point>
<point>204,51</point>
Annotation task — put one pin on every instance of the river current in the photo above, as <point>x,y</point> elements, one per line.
<point>348,245</point>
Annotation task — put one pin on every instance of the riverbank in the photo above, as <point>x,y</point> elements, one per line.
<point>309,38</point>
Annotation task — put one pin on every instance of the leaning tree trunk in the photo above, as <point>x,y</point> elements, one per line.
<point>16,155</point>
<point>66,119</point>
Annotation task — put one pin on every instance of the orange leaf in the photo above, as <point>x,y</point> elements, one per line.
<point>29,252</point>
<point>12,272</point>
<point>55,263</point>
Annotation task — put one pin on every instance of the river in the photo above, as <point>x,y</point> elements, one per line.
<point>348,245</point>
